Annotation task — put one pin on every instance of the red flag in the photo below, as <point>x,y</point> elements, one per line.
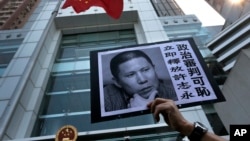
<point>112,7</point>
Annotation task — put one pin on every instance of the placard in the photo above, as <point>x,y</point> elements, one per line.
<point>124,80</point>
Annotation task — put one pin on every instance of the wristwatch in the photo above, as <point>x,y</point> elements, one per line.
<point>198,132</point>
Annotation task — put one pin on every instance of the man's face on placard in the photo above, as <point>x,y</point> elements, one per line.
<point>137,75</point>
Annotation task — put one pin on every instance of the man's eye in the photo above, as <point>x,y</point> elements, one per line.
<point>130,75</point>
<point>145,69</point>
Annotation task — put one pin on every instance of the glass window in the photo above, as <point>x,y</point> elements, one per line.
<point>67,52</point>
<point>68,102</point>
<point>67,97</point>
<point>166,8</point>
<point>67,82</point>
<point>7,51</point>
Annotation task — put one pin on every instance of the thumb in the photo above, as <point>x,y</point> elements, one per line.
<point>136,95</point>
<point>139,98</point>
<point>136,101</point>
<point>152,95</point>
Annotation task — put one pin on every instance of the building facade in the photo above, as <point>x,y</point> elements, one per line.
<point>236,91</point>
<point>231,10</point>
<point>235,34</point>
<point>15,13</point>
<point>231,48</point>
<point>45,69</point>
<point>227,44</point>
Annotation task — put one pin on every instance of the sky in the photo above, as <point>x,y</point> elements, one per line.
<point>204,12</point>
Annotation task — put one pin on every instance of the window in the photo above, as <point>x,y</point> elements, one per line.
<point>7,51</point>
<point>166,8</point>
<point>67,97</point>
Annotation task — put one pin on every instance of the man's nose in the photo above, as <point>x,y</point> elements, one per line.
<point>141,79</point>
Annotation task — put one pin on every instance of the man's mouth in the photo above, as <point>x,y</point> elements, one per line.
<point>146,90</point>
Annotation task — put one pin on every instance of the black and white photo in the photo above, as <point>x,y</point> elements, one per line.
<point>125,80</point>
<point>134,81</point>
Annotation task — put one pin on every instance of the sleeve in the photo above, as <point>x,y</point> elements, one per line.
<point>108,99</point>
<point>113,98</point>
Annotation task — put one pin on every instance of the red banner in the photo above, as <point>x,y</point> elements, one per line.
<point>112,7</point>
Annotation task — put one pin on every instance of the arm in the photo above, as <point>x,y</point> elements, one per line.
<point>175,120</point>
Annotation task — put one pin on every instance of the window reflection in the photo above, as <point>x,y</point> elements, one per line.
<point>166,8</point>
<point>69,82</point>
<point>6,54</point>
<point>67,103</point>
<point>67,96</point>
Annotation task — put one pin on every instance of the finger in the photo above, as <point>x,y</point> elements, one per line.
<point>152,104</point>
<point>166,117</point>
<point>149,104</point>
<point>163,109</point>
<point>156,102</point>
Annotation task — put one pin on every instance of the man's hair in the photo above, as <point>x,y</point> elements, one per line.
<point>126,56</point>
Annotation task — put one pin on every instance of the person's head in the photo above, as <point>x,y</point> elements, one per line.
<point>134,72</point>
